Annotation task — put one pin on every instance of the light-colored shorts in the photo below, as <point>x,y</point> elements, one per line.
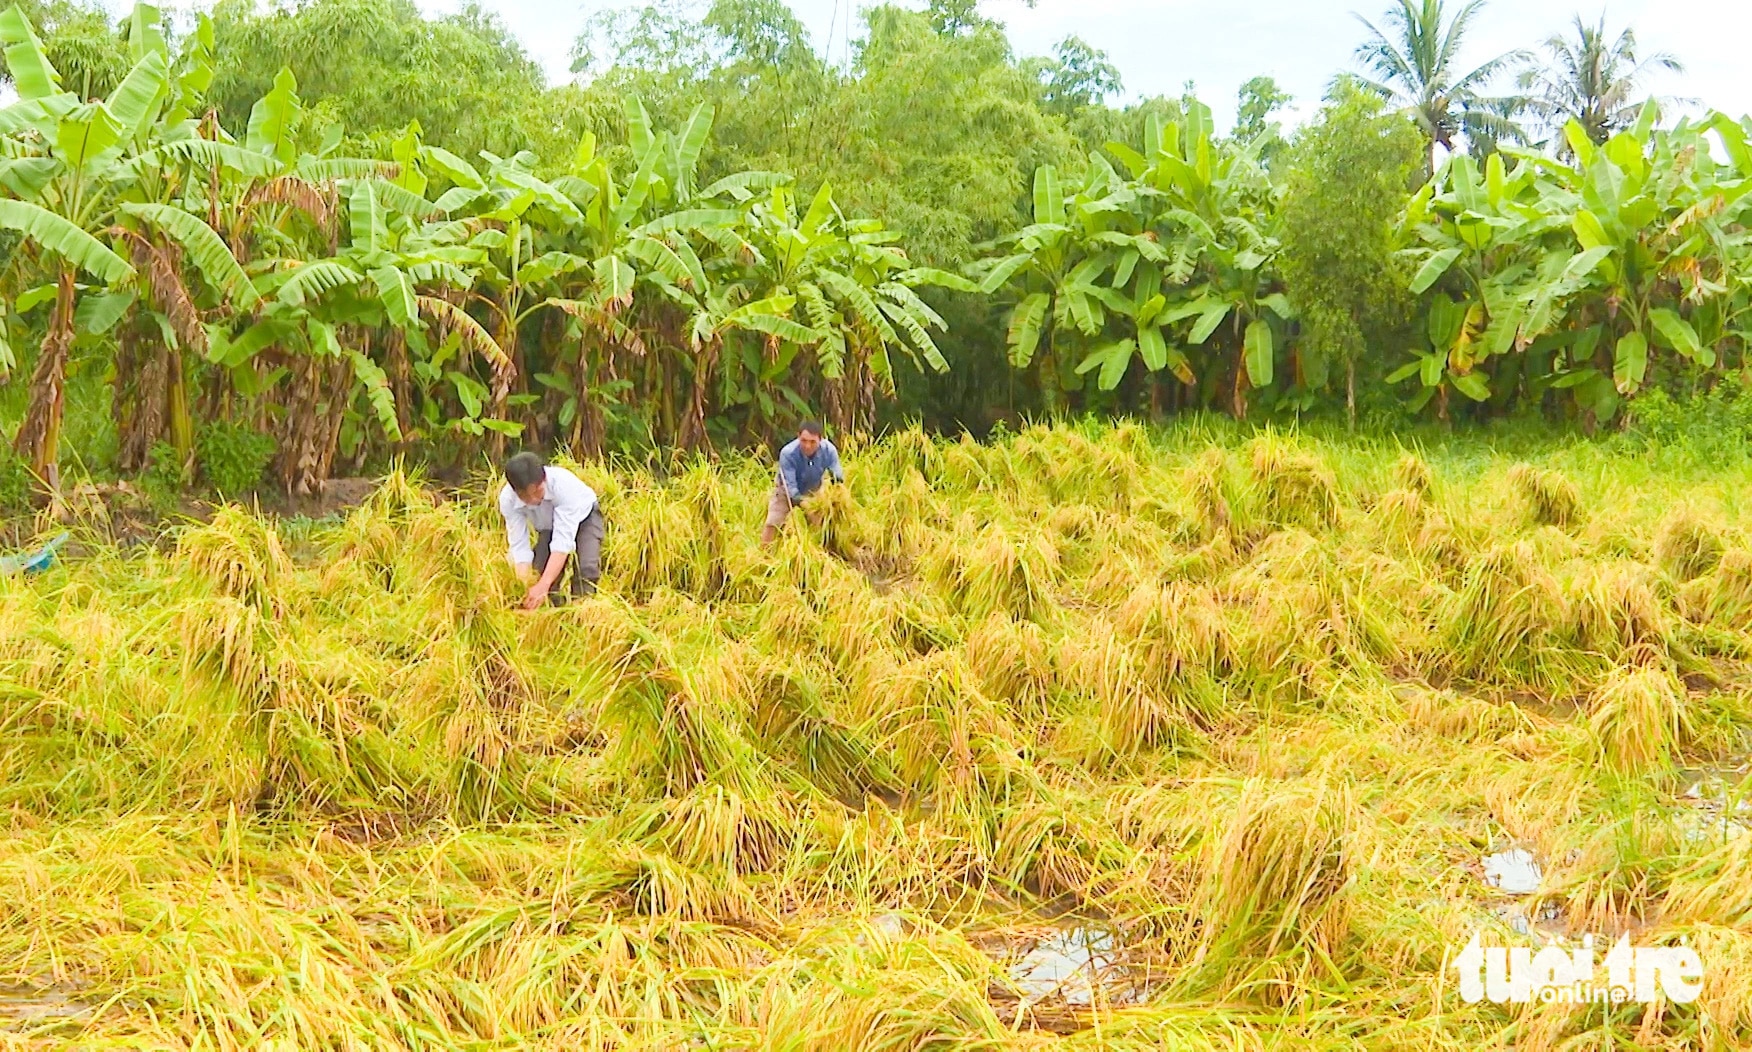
<point>779,506</point>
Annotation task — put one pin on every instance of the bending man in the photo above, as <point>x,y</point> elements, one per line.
<point>804,463</point>
<point>561,512</point>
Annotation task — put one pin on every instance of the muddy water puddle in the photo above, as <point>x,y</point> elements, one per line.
<point>1717,802</point>
<point>24,1008</point>
<point>1057,975</point>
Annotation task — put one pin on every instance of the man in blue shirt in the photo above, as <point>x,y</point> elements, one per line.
<point>804,464</point>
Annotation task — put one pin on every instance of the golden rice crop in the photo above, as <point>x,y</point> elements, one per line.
<point>1242,712</point>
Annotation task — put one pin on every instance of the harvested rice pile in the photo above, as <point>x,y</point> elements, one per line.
<point>1241,716</point>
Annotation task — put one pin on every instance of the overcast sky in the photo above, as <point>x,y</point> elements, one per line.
<point>1159,45</point>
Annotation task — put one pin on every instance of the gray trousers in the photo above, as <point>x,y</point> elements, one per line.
<point>587,560</point>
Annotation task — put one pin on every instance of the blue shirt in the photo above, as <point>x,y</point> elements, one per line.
<point>801,474</point>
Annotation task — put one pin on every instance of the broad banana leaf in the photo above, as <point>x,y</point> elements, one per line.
<point>65,239</point>
<point>205,248</point>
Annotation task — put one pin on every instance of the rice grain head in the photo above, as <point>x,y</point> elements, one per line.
<point>1639,719</point>
<point>1277,878</point>
<point>1550,499</point>
<point>1687,545</point>
<point>1295,488</point>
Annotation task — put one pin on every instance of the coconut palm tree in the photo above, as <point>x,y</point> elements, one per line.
<point>1592,79</point>
<point>1413,63</point>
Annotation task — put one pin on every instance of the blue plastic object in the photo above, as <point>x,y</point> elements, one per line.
<point>32,562</point>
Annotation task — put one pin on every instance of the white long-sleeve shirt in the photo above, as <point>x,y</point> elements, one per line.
<point>566,503</point>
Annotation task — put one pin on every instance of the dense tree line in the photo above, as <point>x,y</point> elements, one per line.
<point>415,244</point>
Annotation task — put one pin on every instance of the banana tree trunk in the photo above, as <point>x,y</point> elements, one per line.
<point>182,424</point>
<point>1350,392</point>
<point>506,338</point>
<point>693,424</point>
<point>400,384</point>
<point>39,436</point>
<point>315,406</point>
<point>1049,381</point>
<point>589,430</point>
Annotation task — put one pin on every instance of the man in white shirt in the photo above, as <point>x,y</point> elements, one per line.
<point>561,512</point>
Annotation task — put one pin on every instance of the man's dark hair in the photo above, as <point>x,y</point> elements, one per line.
<point>523,471</point>
<point>812,427</point>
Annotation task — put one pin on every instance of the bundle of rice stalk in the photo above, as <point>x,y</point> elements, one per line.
<point>965,471</point>
<point>786,622</point>
<point>1687,545</point>
<point>655,539</point>
<point>943,732</point>
<point>1441,546</point>
<point>1401,517</point>
<point>840,523</point>
<point>716,828</point>
<point>854,621</point>
<point>792,718</point>
<point>1275,893</point>
<point>1295,488</point>
<point>799,560</point>
<point>1413,474</point>
<point>1448,716</point>
<point>1550,499</point>
<point>1505,620</point>
<point>659,885</point>
<point>916,621</point>
<point>902,517</point>
<point>240,555</point>
<point>1013,662</point>
<point>1302,621</point>
<point>679,726</point>
<point>904,452</point>
<point>996,570</point>
<point>1049,850</point>
<point>231,639</point>
<point>1098,665</point>
<point>428,553</point>
<point>1088,471</point>
<point>1639,719</point>
<point>1724,597</point>
<point>1177,632</point>
<point>1618,608</point>
<point>701,564</point>
<point>1207,486</point>
<point>1713,889</point>
<point>904,994</point>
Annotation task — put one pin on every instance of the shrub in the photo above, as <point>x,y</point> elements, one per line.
<point>233,456</point>
<point>163,477</point>
<point>15,480</point>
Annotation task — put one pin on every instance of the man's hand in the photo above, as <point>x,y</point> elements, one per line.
<point>537,595</point>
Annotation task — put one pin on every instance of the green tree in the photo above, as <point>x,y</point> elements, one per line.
<point>1592,79</point>
<point>463,77</point>
<point>1347,184</point>
<point>1414,64</point>
<point>1076,77</point>
<point>1258,101</point>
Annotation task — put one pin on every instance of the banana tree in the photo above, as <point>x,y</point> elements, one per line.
<point>1060,273</point>
<point>233,207</point>
<point>1581,277</point>
<point>70,167</point>
<point>394,278</point>
<point>1215,213</point>
<point>837,288</point>
<point>1175,257</point>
